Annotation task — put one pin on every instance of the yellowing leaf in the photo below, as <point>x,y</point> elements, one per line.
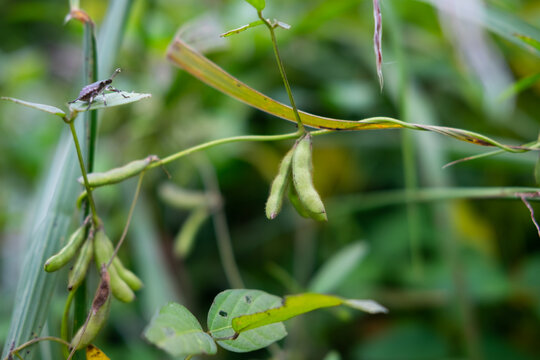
<point>296,305</point>
<point>205,70</point>
<point>93,353</point>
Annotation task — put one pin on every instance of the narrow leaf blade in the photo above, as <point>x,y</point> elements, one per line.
<point>175,330</point>
<point>199,66</point>
<point>232,303</point>
<point>42,107</point>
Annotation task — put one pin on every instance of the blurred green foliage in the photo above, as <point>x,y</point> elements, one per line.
<point>476,290</point>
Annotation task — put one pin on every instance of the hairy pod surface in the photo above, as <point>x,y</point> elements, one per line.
<point>118,174</point>
<point>303,180</point>
<point>295,201</point>
<point>127,275</point>
<point>98,314</point>
<point>80,268</point>
<point>186,236</point>
<point>103,251</point>
<point>65,254</point>
<point>279,185</point>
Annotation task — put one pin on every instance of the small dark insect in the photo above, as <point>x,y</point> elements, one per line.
<point>90,92</point>
<point>248,299</point>
<point>223,313</point>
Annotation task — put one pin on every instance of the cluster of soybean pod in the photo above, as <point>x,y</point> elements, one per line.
<point>296,174</point>
<point>91,241</point>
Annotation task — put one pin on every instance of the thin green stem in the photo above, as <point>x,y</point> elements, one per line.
<point>33,341</point>
<point>65,318</point>
<point>213,143</point>
<point>301,128</point>
<point>90,197</point>
<point>128,221</point>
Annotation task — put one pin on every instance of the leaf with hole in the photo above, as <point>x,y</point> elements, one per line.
<point>232,303</point>
<point>175,330</point>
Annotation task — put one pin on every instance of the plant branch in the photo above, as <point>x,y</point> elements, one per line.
<point>213,143</point>
<point>90,197</point>
<point>33,341</point>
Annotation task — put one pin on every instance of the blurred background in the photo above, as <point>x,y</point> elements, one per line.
<point>460,276</point>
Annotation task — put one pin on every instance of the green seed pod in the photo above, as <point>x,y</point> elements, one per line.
<point>279,185</point>
<point>128,276</point>
<point>98,314</point>
<point>303,180</point>
<point>184,240</point>
<point>187,199</point>
<point>78,273</point>
<point>102,253</point>
<point>116,175</point>
<point>65,254</point>
<point>295,201</point>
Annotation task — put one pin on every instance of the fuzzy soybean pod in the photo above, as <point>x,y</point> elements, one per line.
<point>279,185</point>
<point>80,268</point>
<point>65,254</point>
<point>118,174</point>
<point>129,277</point>
<point>303,180</point>
<point>102,254</point>
<point>295,200</point>
<point>98,314</point>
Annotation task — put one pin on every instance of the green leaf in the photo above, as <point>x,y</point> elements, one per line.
<point>205,70</point>
<point>257,4</point>
<point>113,99</point>
<point>295,305</point>
<point>47,108</point>
<point>519,86</point>
<point>232,303</point>
<point>175,330</point>
<point>336,269</point>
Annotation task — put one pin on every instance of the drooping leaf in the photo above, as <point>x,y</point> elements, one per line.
<point>257,4</point>
<point>336,269</point>
<point>299,304</point>
<point>46,108</point>
<point>175,330</point>
<point>112,99</point>
<point>199,66</point>
<point>232,303</point>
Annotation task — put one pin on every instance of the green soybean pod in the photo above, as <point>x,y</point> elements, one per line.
<point>128,276</point>
<point>102,254</point>
<point>118,174</point>
<point>295,201</point>
<point>65,254</point>
<point>78,272</point>
<point>186,236</point>
<point>303,180</point>
<point>279,185</point>
<point>98,314</point>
